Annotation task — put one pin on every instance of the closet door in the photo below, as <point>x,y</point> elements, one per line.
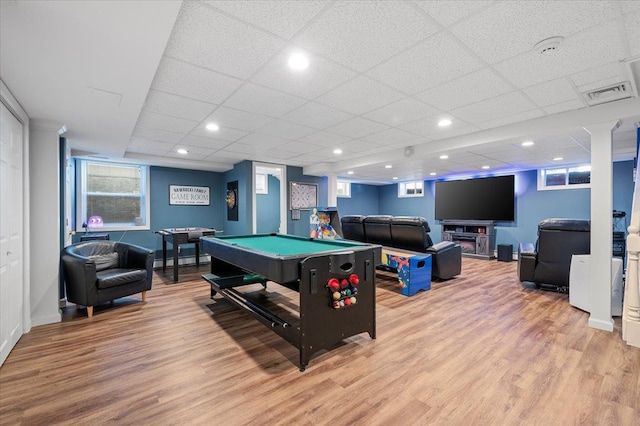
<point>11,232</point>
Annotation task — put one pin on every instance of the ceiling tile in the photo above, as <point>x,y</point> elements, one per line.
<point>632,26</point>
<point>317,116</point>
<point>236,119</point>
<point>195,152</point>
<point>199,141</point>
<point>264,101</point>
<point>552,92</point>
<point>357,127</point>
<point>496,33</point>
<point>157,135</point>
<point>391,137</point>
<point>204,37</point>
<point>358,146</point>
<point>602,72</point>
<point>320,77</point>
<point>564,106</point>
<point>364,33</point>
<point>428,64</point>
<point>226,156</point>
<point>285,129</point>
<point>194,82</point>
<point>511,118</point>
<point>324,139</point>
<point>471,88</point>
<point>429,125</point>
<point>301,147</point>
<point>177,106</point>
<point>494,108</point>
<point>164,122</point>
<point>451,11</point>
<point>359,96</point>
<point>284,18</point>
<point>224,133</point>
<point>263,142</point>
<point>598,46</point>
<point>140,145</point>
<point>401,112</point>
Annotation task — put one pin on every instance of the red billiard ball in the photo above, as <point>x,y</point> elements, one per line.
<point>347,302</point>
<point>344,283</point>
<point>353,279</point>
<point>333,284</point>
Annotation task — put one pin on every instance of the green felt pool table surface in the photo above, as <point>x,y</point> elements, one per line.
<point>287,245</point>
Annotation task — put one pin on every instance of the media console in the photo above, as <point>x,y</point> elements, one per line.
<point>477,238</point>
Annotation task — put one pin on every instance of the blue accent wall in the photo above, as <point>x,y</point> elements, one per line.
<point>532,205</point>
<point>268,207</point>
<point>242,172</point>
<point>165,216</point>
<point>364,200</point>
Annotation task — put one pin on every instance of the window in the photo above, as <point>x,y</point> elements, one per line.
<point>564,177</point>
<point>344,189</point>
<point>112,196</point>
<point>414,188</point>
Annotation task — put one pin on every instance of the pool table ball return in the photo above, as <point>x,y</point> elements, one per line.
<point>335,281</point>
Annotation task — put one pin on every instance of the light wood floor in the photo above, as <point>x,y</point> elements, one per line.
<point>475,350</point>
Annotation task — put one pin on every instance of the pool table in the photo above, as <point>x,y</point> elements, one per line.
<point>335,281</point>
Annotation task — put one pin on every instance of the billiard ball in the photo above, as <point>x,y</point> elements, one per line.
<point>333,284</point>
<point>353,300</point>
<point>354,290</point>
<point>336,305</point>
<point>344,283</point>
<point>347,292</point>
<point>336,296</point>
<point>347,302</point>
<point>342,303</point>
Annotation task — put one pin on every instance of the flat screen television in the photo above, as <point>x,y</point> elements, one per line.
<point>491,198</point>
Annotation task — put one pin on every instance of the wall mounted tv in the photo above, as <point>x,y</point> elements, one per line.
<point>491,198</point>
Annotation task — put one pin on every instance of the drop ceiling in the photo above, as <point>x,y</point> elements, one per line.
<point>138,80</point>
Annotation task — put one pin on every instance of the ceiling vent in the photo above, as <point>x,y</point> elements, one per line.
<point>608,94</point>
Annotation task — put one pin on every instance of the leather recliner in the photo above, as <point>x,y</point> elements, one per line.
<point>405,233</point>
<point>100,271</point>
<point>547,264</point>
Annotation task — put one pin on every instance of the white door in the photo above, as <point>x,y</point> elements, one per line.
<point>11,238</point>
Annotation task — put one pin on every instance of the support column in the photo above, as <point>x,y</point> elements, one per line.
<point>332,190</point>
<point>601,224</point>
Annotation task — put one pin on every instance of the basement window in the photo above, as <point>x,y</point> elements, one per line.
<point>414,188</point>
<point>112,196</point>
<point>343,189</point>
<point>564,177</point>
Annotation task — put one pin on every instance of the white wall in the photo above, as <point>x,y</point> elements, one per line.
<point>44,196</point>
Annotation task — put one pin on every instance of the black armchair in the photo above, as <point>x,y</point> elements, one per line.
<point>547,264</point>
<point>101,271</point>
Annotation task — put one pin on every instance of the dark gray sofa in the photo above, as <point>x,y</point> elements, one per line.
<point>406,233</point>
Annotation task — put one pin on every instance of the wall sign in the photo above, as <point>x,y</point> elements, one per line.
<point>304,196</point>
<point>182,195</point>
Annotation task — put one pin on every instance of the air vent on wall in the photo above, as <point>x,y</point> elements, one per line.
<point>608,94</point>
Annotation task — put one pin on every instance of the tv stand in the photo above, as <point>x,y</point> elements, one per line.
<point>477,238</point>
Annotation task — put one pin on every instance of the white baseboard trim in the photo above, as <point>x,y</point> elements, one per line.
<point>46,320</point>
<point>601,324</point>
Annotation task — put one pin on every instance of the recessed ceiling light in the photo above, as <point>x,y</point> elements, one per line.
<point>432,174</point>
<point>527,143</point>
<point>298,61</point>
<point>182,151</point>
<point>444,156</point>
<point>444,122</point>
<point>558,158</point>
<point>486,167</point>
<point>395,178</point>
<point>337,151</point>
<point>388,166</point>
<point>350,172</point>
<point>212,126</point>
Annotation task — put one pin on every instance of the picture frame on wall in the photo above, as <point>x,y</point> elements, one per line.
<point>262,183</point>
<point>303,196</point>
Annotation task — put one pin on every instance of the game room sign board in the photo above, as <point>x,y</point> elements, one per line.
<point>182,195</point>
